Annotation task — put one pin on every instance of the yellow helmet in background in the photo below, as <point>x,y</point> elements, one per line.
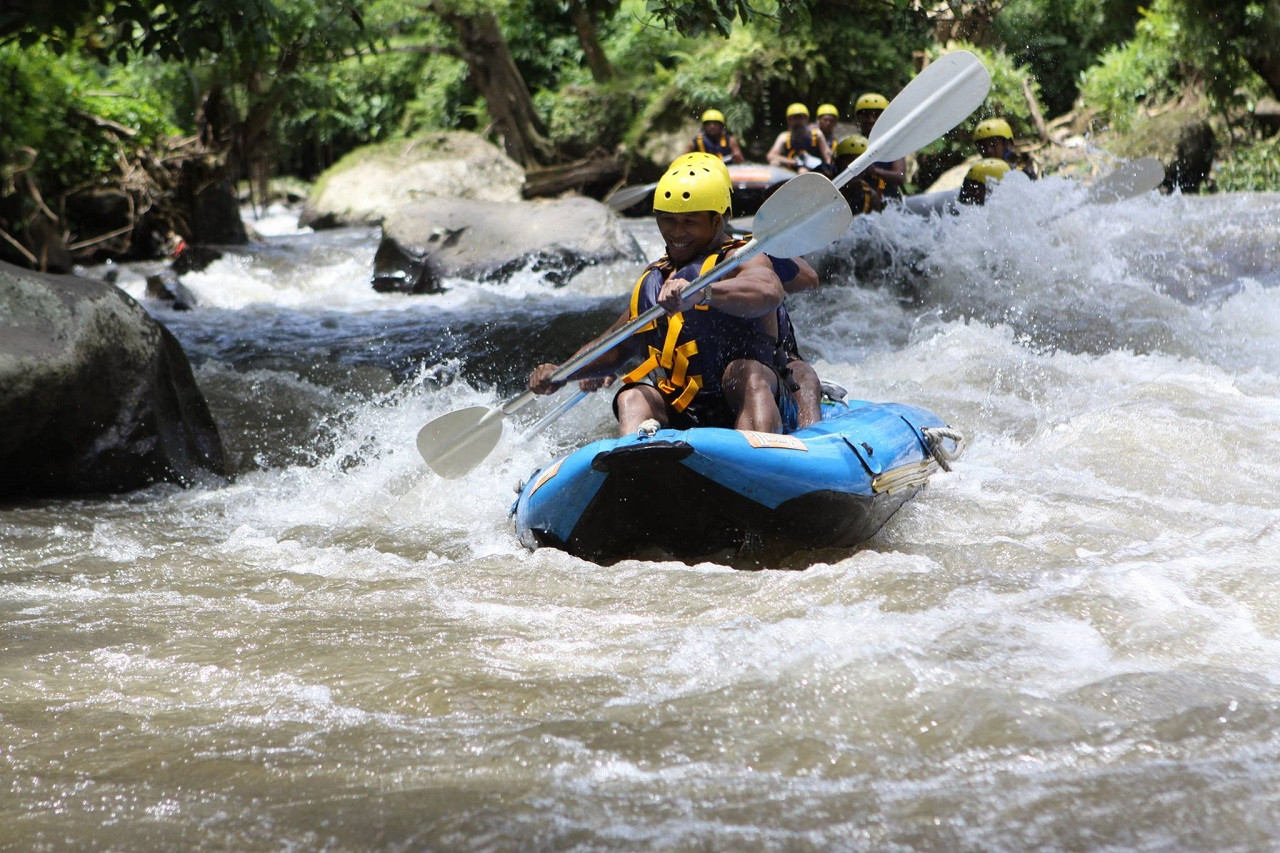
<point>987,169</point>
<point>697,158</point>
<point>854,145</point>
<point>692,187</point>
<point>871,101</point>
<point>797,110</point>
<point>713,115</point>
<point>992,127</point>
<point>828,110</point>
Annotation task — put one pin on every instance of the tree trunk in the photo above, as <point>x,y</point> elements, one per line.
<point>1268,68</point>
<point>493,71</point>
<point>1033,105</point>
<point>601,70</point>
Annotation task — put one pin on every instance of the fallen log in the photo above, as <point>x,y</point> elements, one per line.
<point>593,175</point>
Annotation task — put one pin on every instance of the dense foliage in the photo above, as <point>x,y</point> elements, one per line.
<point>298,83</point>
<point>66,118</point>
<point>1057,40</point>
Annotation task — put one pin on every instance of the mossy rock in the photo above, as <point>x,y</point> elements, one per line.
<point>372,182</point>
<point>1178,134</point>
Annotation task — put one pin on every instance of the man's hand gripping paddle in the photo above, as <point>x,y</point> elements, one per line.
<point>941,96</point>
<point>803,215</point>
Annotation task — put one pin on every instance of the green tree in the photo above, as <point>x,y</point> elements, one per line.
<point>1219,36</point>
<point>1059,39</point>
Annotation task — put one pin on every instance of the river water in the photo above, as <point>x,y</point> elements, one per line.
<point>1072,641</point>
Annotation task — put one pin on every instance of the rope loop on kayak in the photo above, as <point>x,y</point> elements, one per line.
<point>936,437</point>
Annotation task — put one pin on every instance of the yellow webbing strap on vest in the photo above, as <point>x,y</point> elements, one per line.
<point>672,358</point>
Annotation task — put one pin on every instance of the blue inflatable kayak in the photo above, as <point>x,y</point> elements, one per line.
<point>692,493</point>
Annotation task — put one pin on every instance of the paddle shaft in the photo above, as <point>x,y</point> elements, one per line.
<point>554,415</point>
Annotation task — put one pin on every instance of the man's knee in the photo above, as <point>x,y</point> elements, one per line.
<point>750,376</point>
<point>637,403</point>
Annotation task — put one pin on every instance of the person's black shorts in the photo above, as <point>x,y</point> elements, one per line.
<point>711,410</point>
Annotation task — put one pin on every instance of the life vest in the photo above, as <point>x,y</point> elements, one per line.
<point>785,347</point>
<point>807,142</point>
<point>687,353</point>
<point>860,195</point>
<point>886,189</point>
<point>709,145</point>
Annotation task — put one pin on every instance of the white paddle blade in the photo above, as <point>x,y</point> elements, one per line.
<point>1129,180</point>
<point>454,443</point>
<point>629,196</point>
<point>803,215</point>
<point>941,96</point>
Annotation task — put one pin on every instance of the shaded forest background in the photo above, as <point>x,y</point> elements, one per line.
<point>126,124</point>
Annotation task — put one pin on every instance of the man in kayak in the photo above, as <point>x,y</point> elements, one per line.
<point>993,137</point>
<point>714,139</point>
<point>860,192</point>
<point>796,276</point>
<point>800,146</point>
<point>976,180</point>
<point>887,177</point>
<point>711,360</point>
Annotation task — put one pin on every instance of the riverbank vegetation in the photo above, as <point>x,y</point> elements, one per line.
<point>129,124</point>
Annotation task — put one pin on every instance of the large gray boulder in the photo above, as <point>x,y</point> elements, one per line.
<point>365,186</point>
<point>95,396</point>
<point>489,241</point>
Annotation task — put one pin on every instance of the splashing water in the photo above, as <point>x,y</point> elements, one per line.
<point>1068,642</point>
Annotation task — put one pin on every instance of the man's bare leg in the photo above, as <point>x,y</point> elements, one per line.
<point>750,389</point>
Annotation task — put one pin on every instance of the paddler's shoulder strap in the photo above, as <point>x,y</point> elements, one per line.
<point>663,265</point>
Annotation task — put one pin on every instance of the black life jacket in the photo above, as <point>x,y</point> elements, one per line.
<point>687,353</point>
<point>807,141</point>
<point>887,190</point>
<point>860,195</point>
<point>713,145</point>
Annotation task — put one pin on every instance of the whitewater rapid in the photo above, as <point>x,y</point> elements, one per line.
<point>1068,642</point>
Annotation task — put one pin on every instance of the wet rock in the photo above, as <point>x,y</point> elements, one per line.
<point>95,396</point>
<point>193,258</point>
<point>370,183</point>
<point>424,243</point>
<point>165,286</point>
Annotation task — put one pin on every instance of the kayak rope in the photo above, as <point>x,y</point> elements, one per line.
<point>935,438</point>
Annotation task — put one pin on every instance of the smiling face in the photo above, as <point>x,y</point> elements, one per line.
<point>687,234</point>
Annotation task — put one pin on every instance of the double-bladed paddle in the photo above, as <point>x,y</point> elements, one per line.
<point>941,96</point>
<point>803,215</point>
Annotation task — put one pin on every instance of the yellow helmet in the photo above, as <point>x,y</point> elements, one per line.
<point>713,115</point>
<point>828,110</point>
<point>992,127</point>
<point>851,146</point>
<point>692,187</point>
<point>698,158</point>
<point>871,101</point>
<point>987,169</point>
<point>797,110</point>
